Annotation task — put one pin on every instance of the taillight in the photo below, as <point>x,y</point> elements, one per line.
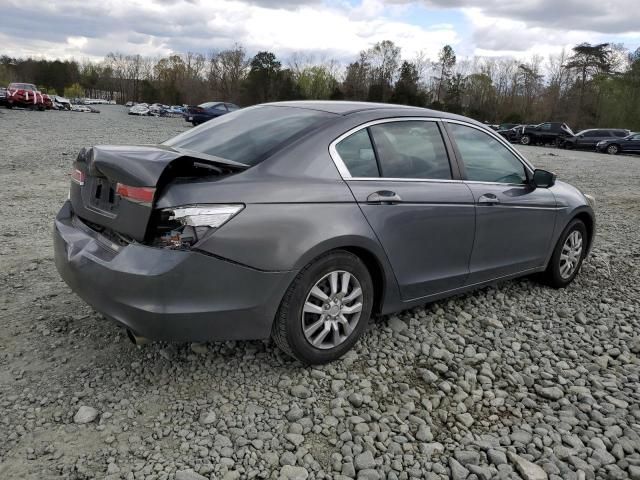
<point>136,194</point>
<point>77,176</point>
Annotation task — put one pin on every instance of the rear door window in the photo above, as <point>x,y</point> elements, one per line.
<point>411,149</point>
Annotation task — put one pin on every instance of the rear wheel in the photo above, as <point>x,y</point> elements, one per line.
<point>613,149</point>
<point>525,140</point>
<point>326,309</point>
<point>567,256</point>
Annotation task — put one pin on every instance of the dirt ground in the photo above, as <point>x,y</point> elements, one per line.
<point>57,354</point>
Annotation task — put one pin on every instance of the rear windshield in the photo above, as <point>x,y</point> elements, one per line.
<point>249,135</point>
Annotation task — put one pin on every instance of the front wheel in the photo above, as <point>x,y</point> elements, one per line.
<point>613,149</point>
<point>525,140</point>
<point>326,309</point>
<point>567,256</point>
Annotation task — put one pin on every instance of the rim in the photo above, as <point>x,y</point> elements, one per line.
<point>332,309</point>
<point>570,255</point>
<point>612,149</point>
<point>525,140</point>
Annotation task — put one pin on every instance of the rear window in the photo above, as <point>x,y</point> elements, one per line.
<point>251,134</point>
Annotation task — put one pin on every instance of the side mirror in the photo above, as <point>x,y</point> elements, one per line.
<point>543,179</point>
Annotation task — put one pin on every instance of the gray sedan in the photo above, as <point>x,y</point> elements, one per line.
<point>301,220</point>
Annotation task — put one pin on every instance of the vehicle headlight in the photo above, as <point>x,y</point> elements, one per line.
<point>182,227</point>
<point>591,200</point>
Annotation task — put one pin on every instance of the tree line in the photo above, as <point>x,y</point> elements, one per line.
<point>590,85</point>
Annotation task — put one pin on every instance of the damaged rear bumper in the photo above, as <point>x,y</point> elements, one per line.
<point>166,294</point>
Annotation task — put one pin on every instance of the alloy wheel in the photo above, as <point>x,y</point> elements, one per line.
<point>332,309</point>
<point>571,254</point>
<point>612,149</point>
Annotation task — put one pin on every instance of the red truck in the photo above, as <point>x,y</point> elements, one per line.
<point>26,95</point>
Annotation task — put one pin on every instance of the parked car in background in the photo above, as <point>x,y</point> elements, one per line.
<point>61,103</point>
<point>206,111</point>
<point>589,138</point>
<point>139,109</point>
<point>24,95</point>
<point>544,133</point>
<point>283,220</point>
<point>3,96</point>
<point>512,132</point>
<point>613,146</point>
<point>129,104</point>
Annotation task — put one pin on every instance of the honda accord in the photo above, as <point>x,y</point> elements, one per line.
<point>302,220</point>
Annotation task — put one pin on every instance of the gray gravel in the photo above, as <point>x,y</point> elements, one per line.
<point>515,381</point>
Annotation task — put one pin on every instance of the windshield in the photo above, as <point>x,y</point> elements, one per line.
<point>208,104</point>
<point>249,135</point>
<point>21,86</point>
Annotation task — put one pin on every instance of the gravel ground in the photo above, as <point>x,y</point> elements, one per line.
<point>516,381</point>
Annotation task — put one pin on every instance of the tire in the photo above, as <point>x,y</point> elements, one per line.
<point>288,332</point>
<point>9,106</point>
<point>613,149</point>
<point>525,140</point>
<point>555,276</point>
<point>194,123</point>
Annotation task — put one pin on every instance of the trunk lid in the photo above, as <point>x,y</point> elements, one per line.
<point>108,172</point>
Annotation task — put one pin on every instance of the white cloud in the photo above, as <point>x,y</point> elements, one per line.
<point>328,28</point>
<point>92,28</point>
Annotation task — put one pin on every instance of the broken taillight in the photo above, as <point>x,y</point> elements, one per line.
<point>77,176</point>
<point>136,194</point>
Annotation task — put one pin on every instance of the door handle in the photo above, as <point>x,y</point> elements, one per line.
<point>384,196</point>
<point>488,199</point>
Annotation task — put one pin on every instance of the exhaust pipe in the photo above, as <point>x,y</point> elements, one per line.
<point>137,339</point>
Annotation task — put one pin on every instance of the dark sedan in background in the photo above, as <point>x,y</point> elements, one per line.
<point>613,146</point>
<point>300,220</point>
<point>588,139</point>
<point>197,114</point>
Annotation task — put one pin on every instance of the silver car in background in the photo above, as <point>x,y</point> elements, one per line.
<point>301,220</point>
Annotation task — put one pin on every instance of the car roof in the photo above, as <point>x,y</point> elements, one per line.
<point>348,107</point>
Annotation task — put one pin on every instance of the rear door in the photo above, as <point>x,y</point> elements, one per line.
<point>632,145</point>
<point>590,138</point>
<point>422,213</point>
<point>514,221</point>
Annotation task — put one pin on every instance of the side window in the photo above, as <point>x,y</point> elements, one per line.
<point>485,159</point>
<point>617,133</point>
<point>593,133</point>
<point>546,126</point>
<point>357,154</point>
<point>220,106</point>
<point>411,149</point>
<point>231,107</point>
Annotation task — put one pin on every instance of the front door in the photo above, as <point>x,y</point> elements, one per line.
<point>514,221</point>
<point>424,217</point>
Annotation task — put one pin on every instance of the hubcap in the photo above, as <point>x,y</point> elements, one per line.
<point>570,255</point>
<point>332,309</point>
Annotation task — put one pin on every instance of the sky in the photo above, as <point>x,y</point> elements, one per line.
<point>325,29</point>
